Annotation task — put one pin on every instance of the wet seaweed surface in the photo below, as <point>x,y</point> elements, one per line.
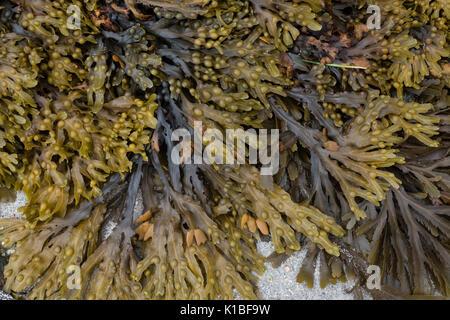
<point>92,91</point>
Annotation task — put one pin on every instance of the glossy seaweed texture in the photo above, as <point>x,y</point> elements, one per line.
<point>87,115</point>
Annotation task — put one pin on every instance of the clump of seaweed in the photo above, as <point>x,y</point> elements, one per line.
<point>87,115</point>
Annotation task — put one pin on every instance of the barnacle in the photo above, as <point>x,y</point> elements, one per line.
<point>92,93</point>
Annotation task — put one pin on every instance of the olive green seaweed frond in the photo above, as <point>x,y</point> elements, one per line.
<point>93,92</point>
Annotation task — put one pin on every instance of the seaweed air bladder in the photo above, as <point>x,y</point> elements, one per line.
<point>103,99</point>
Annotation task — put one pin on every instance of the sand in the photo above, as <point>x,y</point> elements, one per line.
<point>276,283</point>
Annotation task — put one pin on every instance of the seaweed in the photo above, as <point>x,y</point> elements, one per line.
<point>87,116</point>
